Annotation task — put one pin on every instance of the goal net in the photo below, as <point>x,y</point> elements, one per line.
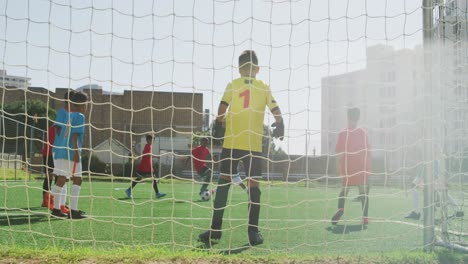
<point>161,68</point>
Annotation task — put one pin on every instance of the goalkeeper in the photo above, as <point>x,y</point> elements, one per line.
<point>243,104</point>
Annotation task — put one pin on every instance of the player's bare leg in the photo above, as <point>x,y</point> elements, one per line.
<point>364,195</point>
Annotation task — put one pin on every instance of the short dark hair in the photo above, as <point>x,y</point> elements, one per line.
<point>248,56</point>
<point>204,139</point>
<point>79,97</point>
<point>68,95</point>
<point>353,114</point>
<point>149,137</point>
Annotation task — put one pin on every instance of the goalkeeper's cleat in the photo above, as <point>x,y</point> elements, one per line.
<point>255,238</point>
<point>207,236</point>
<point>337,216</point>
<point>64,209</point>
<point>160,195</point>
<point>128,192</point>
<point>76,214</point>
<point>58,213</point>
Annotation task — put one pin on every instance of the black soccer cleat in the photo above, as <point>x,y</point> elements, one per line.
<point>58,213</point>
<point>336,217</point>
<point>255,238</point>
<point>208,236</point>
<point>76,214</point>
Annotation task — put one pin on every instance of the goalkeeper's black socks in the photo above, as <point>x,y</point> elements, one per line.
<point>254,209</point>
<point>220,203</point>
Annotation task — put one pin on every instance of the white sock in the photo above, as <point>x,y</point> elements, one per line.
<point>75,194</point>
<point>56,191</point>
<point>63,195</point>
<point>416,201</point>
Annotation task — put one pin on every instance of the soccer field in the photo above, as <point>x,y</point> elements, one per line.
<point>294,219</point>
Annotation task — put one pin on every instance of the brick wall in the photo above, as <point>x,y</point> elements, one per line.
<point>125,117</point>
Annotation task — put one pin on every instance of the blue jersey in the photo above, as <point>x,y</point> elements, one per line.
<point>77,121</point>
<point>62,137</point>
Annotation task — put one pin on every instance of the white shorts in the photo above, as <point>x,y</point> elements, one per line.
<point>64,167</point>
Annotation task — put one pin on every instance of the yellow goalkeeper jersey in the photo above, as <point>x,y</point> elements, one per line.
<point>246,99</point>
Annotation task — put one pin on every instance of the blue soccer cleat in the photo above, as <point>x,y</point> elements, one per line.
<point>129,193</point>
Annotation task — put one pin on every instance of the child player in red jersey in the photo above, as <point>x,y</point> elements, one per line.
<point>145,168</point>
<point>353,163</point>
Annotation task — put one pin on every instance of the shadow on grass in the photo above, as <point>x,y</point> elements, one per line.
<point>236,250</point>
<point>204,246</point>
<point>193,201</point>
<point>10,220</point>
<point>346,229</point>
<point>129,199</point>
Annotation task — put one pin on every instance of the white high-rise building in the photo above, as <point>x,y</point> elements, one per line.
<point>451,37</point>
<point>11,81</point>
<point>391,99</point>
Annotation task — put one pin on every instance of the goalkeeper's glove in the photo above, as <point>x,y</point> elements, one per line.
<point>217,132</point>
<point>278,131</point>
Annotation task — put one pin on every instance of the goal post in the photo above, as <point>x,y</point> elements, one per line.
<point>159,70</point>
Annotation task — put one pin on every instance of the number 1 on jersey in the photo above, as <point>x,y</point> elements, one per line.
<point>246,95</point>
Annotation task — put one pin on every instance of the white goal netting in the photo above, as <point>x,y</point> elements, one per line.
<point>161,68</point>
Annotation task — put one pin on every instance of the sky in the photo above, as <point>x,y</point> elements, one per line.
<point>193,46</point>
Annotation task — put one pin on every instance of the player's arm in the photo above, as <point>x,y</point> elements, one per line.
<point>187,161</point>
<point>76,153</point>
<point>278,131</point>
<point>277,114</point>
<point>222,109</point>
<point>339,150</point>
<point>218,128</point>
<point>338,162</point>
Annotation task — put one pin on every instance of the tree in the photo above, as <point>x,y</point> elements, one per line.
<point>34,113</point>
<point>31,118</point>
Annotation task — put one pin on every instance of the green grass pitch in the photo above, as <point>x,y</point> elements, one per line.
<point>294,219</point>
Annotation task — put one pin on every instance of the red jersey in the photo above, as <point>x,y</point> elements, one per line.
<point>199,156</point>
<point>146,164</point>
<point>47,148</point>
<point>356,159</point>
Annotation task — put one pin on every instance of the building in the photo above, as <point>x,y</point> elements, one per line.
<point>12,81</point>
<point>389,92</point>
<point>126,117</point>
<point>450,39</point>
